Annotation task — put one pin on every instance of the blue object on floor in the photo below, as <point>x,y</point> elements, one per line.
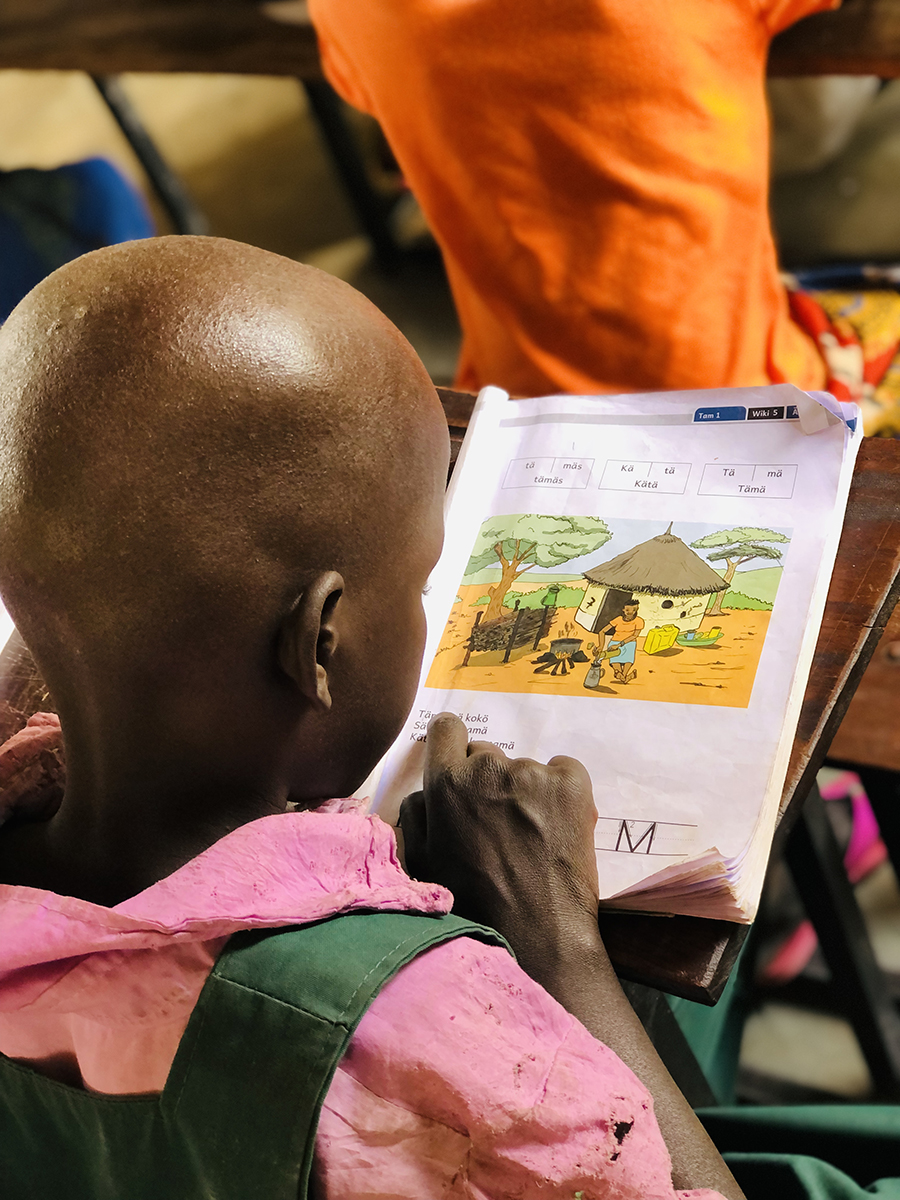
<point>47,218</point>
<point>848,276</point>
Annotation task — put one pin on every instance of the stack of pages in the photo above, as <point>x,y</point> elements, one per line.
<point>638,582</point>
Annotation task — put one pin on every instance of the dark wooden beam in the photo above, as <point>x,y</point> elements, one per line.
<point>862,37</point>
<point>108,37</point>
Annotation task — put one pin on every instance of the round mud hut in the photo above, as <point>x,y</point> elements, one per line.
<point>670,584</point>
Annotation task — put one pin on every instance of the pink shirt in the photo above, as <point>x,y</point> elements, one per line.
<point>464,1078</point>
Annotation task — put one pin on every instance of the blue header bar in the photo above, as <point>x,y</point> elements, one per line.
<point>735,412</point>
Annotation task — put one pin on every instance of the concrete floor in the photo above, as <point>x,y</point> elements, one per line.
<point>815,1049</point>
<point>253,161</point>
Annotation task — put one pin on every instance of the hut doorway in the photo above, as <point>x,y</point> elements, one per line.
<point>671,581</point>
<point>613,603</point>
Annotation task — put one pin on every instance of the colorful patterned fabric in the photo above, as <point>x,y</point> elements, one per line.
<point>858,336</point>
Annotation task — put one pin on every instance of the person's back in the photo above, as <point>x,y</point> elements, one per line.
<point>597,177</point>
<point>221,481</point>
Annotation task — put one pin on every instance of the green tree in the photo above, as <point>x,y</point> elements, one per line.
<point>736,547</point>
<point>527,540</point>
<point>558,596</point>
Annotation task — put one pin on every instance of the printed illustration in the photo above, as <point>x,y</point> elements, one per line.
<point>677,614</point>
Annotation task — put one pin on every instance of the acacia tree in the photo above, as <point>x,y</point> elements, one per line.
<point>527,540</point>
<point>736,547</point>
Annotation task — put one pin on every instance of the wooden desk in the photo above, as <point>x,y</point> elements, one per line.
<point>862,37</point>
<point>869,735</point>
<point>693,957</point>
<point>106,37</point>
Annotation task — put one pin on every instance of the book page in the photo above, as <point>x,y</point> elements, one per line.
<point>632,581</point>
<point>22,691</point>
<point>6,626</point>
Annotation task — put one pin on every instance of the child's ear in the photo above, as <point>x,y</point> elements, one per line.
<point>308,638</point>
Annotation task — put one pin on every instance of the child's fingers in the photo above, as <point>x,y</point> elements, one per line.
<point>572,767</point>
<point>485,748</point>
<point>445,745</point>
<point>575,773</point>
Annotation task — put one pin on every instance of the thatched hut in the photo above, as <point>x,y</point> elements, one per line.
<point>669,582</point>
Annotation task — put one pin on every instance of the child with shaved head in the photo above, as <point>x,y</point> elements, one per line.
<point>221,480</point>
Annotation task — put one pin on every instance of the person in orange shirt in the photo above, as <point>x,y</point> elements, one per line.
<point>623,633</point>
<point>596,174</point>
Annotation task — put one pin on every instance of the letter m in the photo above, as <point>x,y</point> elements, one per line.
<point>632,847</point>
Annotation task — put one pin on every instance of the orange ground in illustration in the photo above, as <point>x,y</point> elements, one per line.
<point>721,674</point>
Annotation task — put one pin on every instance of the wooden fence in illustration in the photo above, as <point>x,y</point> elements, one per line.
<point>523,625</point>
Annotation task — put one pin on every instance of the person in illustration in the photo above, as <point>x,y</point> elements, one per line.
<point>192,919</point>
<point>622,634</point>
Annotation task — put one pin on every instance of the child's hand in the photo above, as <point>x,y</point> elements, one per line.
<point>32,770</point>
<point>512,839</point>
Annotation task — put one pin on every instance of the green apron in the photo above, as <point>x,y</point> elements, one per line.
<point>797,1152</point>
<point>811,1152</point>
<point>237,1118</point>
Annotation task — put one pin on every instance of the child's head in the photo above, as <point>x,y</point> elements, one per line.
<point>221,476</point>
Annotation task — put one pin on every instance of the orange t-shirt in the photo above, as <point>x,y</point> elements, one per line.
<point>596,172</point>
<point>625,629</point>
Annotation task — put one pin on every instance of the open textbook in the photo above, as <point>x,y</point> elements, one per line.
<point>638,582</point>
